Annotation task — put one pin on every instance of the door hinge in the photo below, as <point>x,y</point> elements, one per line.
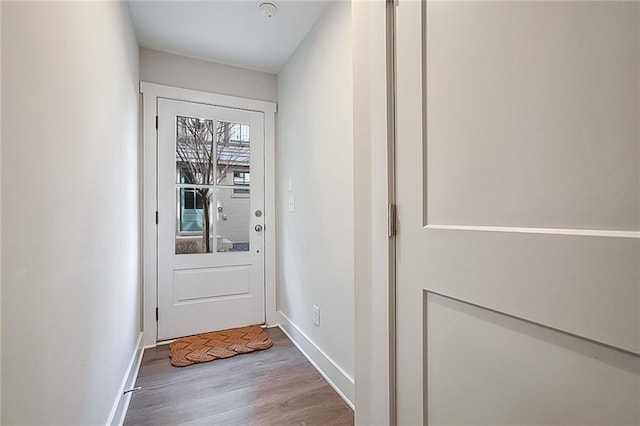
<point>393,221</point>
<point>156,314</point>
<point>156,217</point>
<point>156,121</point>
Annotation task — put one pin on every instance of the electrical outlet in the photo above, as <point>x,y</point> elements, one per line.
<point>316,316</point>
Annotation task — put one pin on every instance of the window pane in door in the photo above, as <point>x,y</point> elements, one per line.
<point>194,225</point>
<point>232,153</point>
<point>232,219</point>
<point>194,151</point>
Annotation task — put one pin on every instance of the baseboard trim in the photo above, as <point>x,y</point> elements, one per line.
<point>337,378</point>
<point>121,403</point>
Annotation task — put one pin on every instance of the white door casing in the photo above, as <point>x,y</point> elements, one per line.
<point>199,292</point>
<point>518,282</point>
<point>151,94</point>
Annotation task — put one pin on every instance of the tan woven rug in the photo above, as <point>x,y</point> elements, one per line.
<point>218,344</point>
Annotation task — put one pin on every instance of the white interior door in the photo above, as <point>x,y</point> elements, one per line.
<point>518,203</point>
<point>211,222</point>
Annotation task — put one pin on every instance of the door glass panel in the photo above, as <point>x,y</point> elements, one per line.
<point>232,219</point>
<point>194,222</point>
<point>232,153</point>
<point>194,151</point>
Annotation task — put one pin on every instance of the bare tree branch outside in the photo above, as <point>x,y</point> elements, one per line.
<point>201,162</point>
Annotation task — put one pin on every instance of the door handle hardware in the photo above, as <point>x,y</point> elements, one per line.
<point>259,228</point>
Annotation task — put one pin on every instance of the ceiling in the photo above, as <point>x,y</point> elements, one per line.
<point>227,32</point>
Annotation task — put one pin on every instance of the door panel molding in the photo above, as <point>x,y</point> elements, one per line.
<point>186,289</point>
<point>549,231</point>
<point>471,225</point>
<point>495,136</point>
<point>150,93</point>
<point>565,369</point>
<point>578,284</point>
<point>633,354</point>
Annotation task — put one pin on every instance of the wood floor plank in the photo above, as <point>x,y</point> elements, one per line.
<point>277,386</point>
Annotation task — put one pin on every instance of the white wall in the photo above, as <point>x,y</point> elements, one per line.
<point>70,295</point>
<point>180,71</point>
<point>315,152</point>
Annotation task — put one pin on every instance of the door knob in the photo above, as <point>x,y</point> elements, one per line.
<point>258,228</point>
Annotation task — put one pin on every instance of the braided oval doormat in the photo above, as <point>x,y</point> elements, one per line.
<point>218,344</point>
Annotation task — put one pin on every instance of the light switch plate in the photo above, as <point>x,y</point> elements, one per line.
<point>292,204</point>
<point>316,315</point>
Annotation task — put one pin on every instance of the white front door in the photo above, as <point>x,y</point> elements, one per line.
<point>518,275</point>
<point>210,218</point>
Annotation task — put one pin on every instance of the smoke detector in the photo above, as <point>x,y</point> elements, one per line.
<point>268,9</point>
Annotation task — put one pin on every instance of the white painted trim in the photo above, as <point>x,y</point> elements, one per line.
<point>150,94</point>
<point>374,175</point>
<point>270,217</point>
<point>533,322</point>
<point>552,231</point>
<point>149,206</point>
<point>337,378</point>
<point>121,403</point>
<point>208,98</point>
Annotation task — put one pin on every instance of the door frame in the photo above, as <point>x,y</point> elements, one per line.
<point>373,28</point>
<point>151,92</point>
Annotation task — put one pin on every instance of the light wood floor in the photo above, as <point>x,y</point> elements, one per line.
<point>277,386</point>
